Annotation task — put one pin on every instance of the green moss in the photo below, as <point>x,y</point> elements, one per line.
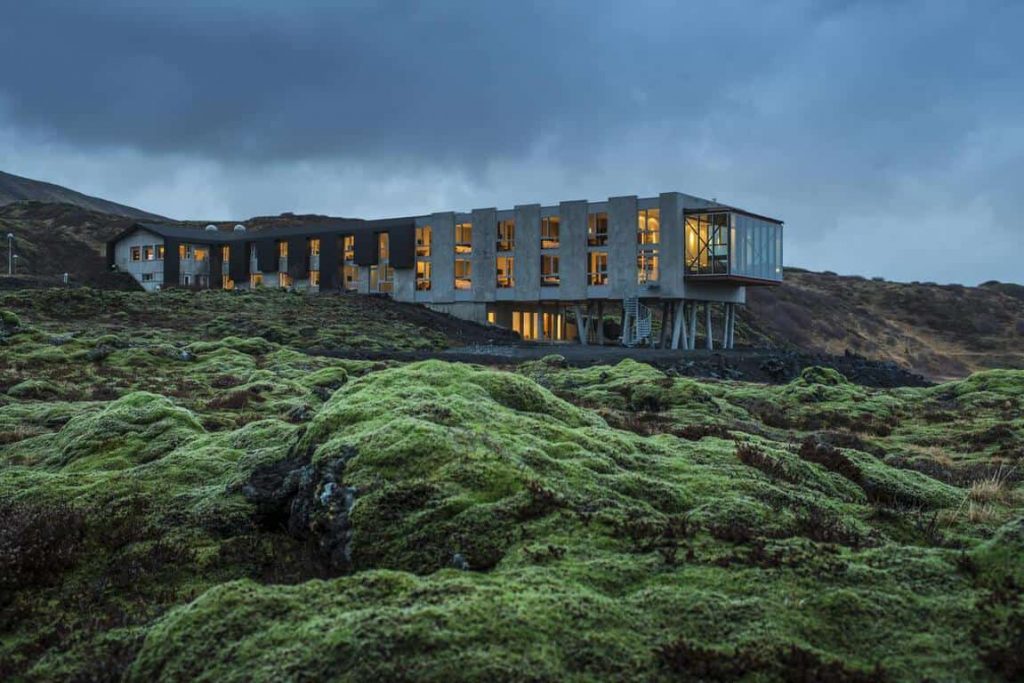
<point>38,389</point>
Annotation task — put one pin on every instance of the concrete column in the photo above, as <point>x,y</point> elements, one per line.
<point>581,324</point>
<point>572,250</point>
<point>665,324</point>
<point>526,266</point>
<point>622,246</point>
<point>708,333</point>
<point>678,331</point>
<point>485,235</point>
<point>670,250</point>
<point>442,258</point>
<point>600,322</point>
<point>693,325</point>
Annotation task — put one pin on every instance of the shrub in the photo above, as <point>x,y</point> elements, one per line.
<point>37,542</point>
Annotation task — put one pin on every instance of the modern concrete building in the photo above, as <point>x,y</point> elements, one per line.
<point>547,272</point>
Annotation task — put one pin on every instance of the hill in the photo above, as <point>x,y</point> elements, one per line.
<point>17,189</point>
<point>178,504</point>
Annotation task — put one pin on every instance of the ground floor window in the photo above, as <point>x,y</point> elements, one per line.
<point>226,282</point>
<point>423,275</point>
<point>147,277</point>
<point>314,278</point>
<point>491,317</point>
<point>382,279</point>
<point>256,280</point>
<point>350,277</point>
<point>531,325</point>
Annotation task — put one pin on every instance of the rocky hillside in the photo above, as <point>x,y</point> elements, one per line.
<point>178,504</point>
<point>15,189</point>
<point>941,331</point>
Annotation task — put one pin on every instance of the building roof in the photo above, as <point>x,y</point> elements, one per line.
<point>324,227</point>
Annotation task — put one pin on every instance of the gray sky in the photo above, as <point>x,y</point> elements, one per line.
<point>888,135</point>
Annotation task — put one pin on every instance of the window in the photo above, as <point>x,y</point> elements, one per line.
<point>225,254</point>
<point>383,248</point>
<point>549,270</point>
<point>284,280</point>
<point>549,232</point>
<point>504,266</point>
<point>226,282</point>
<point>200,253</point>
<point>136,253</point>
<point>282,249</point>
<point>147,277</point>
<point>349,270</point>
<point>184,251</point>
<point>159,252</point>
<point>147,253</point>
<point>381,278</point>
<point>506,235</point>
<point>350,277</point>
<point>256,280</point>
<point>424,235</point>
<point>186,279</point>
<point>491,317</point>
<point>648,229</point>
<point>423,275</point>
<point>647,266</point>
<point>597,268</point>
<point>464,238</point>
<point>707,244</point>
<point>314,278</point>
<point>463,273</point>
<point>314,247</point>
<point>597,229</point>
<point>348,248</point>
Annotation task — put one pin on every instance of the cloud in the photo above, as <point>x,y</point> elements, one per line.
<point>884,133</point>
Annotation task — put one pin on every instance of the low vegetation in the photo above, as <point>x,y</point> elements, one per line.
<point>202,503</point>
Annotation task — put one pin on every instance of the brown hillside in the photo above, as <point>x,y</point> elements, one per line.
<point>941,331</point>
<point>15,188</point>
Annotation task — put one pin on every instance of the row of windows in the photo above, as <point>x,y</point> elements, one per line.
<point>597,271</point>
<point>149,252</point>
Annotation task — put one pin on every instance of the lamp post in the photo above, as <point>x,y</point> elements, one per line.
<point>14,264</point>
<point>10,253</point>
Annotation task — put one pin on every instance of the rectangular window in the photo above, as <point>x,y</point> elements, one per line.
<point>314,247</point>
<point>282,249</point>
<point>159,252</point>
<point>423,275</point>
<point>597,229</point>
<point>647,266</point>
<point>284,280</point>
<point>348,248</point>
<point>463,273</point>
<point>383,248</point>
<point>597,268</point>
<point>549,270</point>
<point>464,238</point>
<point>707,244</point>
<point>506,235</point>
<point>256,280</point>
<point>314,278</point>
<point>424,236</point>
<point>200,253</point>
<point>147,253</point>
<point>184,252</point>
<point>490,317</point>
<point>648,229</point>
<point>504,266</point>
<point>549,228</point>
<point>136,253</point>
<point>147,277</point>
<point>350,277</point>
<point>226,282</point>
<point>381,278</point>
<point>225,254</point>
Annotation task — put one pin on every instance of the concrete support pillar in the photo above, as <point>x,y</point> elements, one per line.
<point>600,322</point>
<point>581,323</point>
<point>693,325</point>
<point>665,323</point>
<point>678,331</point>
<point>708,333</point>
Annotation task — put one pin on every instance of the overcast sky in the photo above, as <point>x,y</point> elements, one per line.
<point>888,135</point>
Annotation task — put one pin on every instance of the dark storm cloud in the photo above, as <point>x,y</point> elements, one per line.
<point>883,132</point>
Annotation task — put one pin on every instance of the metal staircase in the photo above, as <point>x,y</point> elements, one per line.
<point>637,326</point>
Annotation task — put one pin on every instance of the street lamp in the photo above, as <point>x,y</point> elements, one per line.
<point>10,253</point>
<point>14,264</point>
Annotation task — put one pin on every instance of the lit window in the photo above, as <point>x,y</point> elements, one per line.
<point>282,249</point>
<point>383,247</point>
<point>464,238</point>
<point>200,253</point>
<point>424,235</point>
<point>314,278</point>
<point>506,235</point>
<point>504,266</point>
<point>350,277</point>
<point>225,254</point>
<point>423,275</point>
<point>256,280</point>
<point>184,252</point>
<point>707,244</point>
<point>597,268</point>
<point>226,282</point>
<point>490,317</point>
<point>381,278</point>
<point>136,254</point>
<point>648,229</point>
<point>549,229</point>
<point>348,248</point>
<point>159,252</point>
<point>597,229</point>
<point>147,253</point>
<point>647,266</point>
<point>549,270</point>
<point>284,280</point>
<point>463,273</point>
<point>314,247</point>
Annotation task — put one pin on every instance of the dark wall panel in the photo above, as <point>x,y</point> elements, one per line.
<point>330,246</point>
<point>298,256</point>
<point>172,264</point>
<point>238,266</point>
<point>111,259</point>
<point>216,266</point>
<point>402,241</point>
<point>266,256</point>
<point>366,248</point>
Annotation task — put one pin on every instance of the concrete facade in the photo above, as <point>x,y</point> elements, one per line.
<point>682,257</point>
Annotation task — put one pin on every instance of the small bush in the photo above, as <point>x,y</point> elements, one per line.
<point>37,542</point>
